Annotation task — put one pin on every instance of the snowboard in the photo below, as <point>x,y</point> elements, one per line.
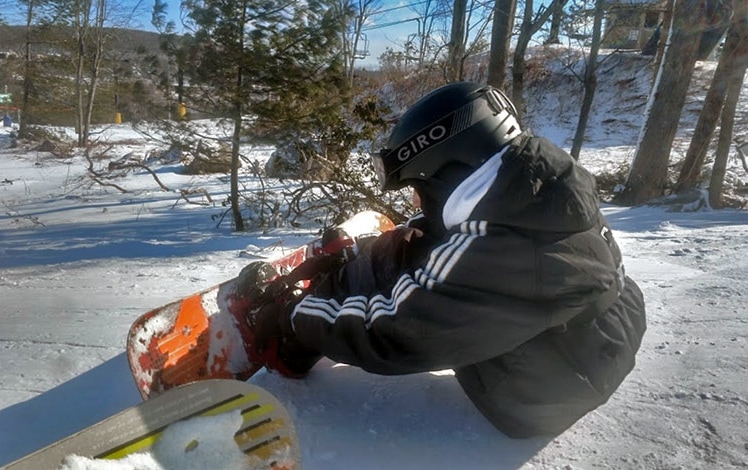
<point>204,335</point>
<point>265,433</point>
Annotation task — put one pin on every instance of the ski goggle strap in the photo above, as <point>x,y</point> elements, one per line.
<point>378,161</point>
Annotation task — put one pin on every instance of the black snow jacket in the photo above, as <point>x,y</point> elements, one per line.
<point>525,297</point>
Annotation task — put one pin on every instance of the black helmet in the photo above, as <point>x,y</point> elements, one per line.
<point>458,123</point>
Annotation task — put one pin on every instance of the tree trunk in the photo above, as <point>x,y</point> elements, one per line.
<point>558,14</point>
<point>518,63</point>
<point>590,79</point>
<point>27,73</point>
<point>648,176</point>
<point>501,34</point>
<point>95,66</point>
<point>457,42</point>
<point>236,210</point>
<point>667,22</point>
<point>719,169</point>
<point>732,60</point>
<point>80,107</point>
<point>82,26</point>
<point>738,32</point>
<point>358,24</point>
<point>527,30</point>
<point>238,111</point>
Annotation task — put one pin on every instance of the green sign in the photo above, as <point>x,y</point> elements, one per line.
<point>5,98</point>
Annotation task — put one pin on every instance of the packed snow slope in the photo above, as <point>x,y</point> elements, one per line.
<point>79,262</point>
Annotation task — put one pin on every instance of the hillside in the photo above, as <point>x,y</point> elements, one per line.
<point>624,80</point>
<point>127,77</point>
<point>121,41</point>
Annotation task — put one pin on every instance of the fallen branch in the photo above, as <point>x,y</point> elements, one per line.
<point>97,176</point>
<point>220,217</point>
<point>184,193</point>
<point>132,165</point>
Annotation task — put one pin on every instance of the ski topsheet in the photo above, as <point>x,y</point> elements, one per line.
<point>200,336</point>
<point>258,432</point>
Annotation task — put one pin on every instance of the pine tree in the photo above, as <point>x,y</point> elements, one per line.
<point>272,66</point>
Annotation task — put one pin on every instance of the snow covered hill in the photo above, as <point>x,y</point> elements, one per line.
<point>80,262</point>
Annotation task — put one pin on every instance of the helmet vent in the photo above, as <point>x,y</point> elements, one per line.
<point>462,120</point>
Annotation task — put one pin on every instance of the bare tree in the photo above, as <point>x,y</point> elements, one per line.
<point>556,17</point>
<point>36,15</point>
<point>501,35</point>
<point>428,12</point>
<point>590,79</point>
<point>647,177</point>
<point>531,24</point>
<point>732,62</point>
<point>90,37</point>
<point>89,20</point>
<point>457,41</point>
<point>667,22</point>
<point>176,48</point>
<point>737,33</point>
<point>27,69</point>
<point>717,180</point>
<point>467,36</point>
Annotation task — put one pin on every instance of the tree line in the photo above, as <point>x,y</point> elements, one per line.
<point>281,69</point>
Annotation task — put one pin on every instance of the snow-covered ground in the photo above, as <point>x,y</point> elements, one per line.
<point>80,262</point>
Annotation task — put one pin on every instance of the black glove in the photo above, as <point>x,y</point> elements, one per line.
<point>270,323</point>
<point>273,341</point>
<point>271,303</point>
<point>285,288</point>
<point>275,345</point>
